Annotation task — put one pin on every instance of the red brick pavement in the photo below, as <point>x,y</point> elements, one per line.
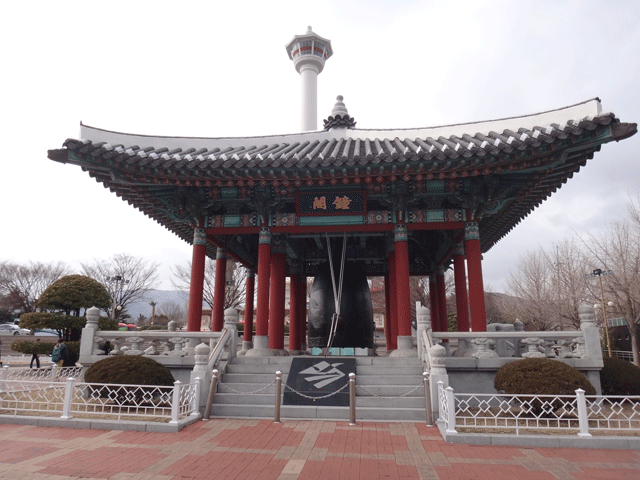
<point>260,449</point>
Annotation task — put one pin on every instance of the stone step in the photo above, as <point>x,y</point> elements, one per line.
<point>253,378</point>
<point>268,399</point>
<point>269,369</point>
<point>360,369</point>
<point>321,413</point>
<point>388,370</point>
<point>276,360</point>
<point>286,360</point>
<point>399,380</point>
<point>389,390</point>
<point>388,361</point>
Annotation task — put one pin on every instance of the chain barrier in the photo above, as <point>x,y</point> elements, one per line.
<point>421,385</point>
<point>317,398</point>
<point>246,393</point>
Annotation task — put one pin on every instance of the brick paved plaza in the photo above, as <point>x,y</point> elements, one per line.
<point>260,449</point>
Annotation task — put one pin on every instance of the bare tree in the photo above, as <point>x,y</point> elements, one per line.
<point>532,284</point>
<point>235,282</point>
<point>173,311</point>
<point>22,285</point>
<point>619,251</point>
<point>137,277</point>
<point>549,286</point>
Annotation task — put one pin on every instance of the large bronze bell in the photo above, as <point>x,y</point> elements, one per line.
<point>355,322</point>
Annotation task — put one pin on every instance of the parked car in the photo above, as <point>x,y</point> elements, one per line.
<point>12,329</point>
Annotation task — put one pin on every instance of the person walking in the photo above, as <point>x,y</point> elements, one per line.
<point>59,355</point>
<point>34,356</point>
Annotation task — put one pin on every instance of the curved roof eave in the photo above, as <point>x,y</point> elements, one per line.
<point>588,109</point>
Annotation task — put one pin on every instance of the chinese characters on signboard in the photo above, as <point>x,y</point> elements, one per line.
<point>334,203</point>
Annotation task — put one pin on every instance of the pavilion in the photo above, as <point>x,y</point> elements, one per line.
<point>410,201</point>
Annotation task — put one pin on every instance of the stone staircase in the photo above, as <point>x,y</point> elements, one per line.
<point>247,390</point>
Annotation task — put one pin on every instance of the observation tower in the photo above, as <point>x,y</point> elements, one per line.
<point>309,53</point>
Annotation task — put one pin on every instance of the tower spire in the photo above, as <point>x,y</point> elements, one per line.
<point>309,53</point>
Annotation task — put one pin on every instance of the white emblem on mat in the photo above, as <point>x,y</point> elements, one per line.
<point>324,372</point>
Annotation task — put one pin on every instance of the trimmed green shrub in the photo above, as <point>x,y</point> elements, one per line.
<point>619,377</point>
<point>74,292</point>
<point>29,347</point>
<point>153,327</point>
<point>127,370</point>
<point>540,376</point>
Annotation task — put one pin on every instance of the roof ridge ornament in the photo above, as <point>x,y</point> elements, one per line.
<point>339,117</point>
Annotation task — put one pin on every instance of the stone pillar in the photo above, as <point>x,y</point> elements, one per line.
<point>89,333</point>
<point>247,338</point>
<point>423,320</point>
<point>277,294</point>
<point>433,304</point>
<point>460,278</point>
<point>302,304</point>
<point>217,312</point>
<point>476,287</point>
<point>405,340</point>
<point>441,292</point>
<point>198,259</point>
<point>294,312</point>
<point>387,312</point>
<point>261,339</point>
<point>393,301</point>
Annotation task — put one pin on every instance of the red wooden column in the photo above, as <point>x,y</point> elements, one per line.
<point>433,305</point>
<point>277,299</point>
<point>402,280</point>
<point>294,312</point>
<point>264,274</point>
<point>248,307</point>
<point>393,301</point>
<point>217,313</point>
<point>441,292</point>
<point>198,259</point>
<point>460,278</point>
<point>476,287</point>
<point>387,311</point>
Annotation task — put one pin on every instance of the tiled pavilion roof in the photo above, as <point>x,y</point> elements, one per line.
<point>503,168</point>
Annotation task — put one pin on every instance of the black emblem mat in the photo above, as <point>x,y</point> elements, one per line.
<point>317,377</point>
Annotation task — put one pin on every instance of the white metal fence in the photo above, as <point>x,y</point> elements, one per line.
<point>503,413</point>
<point>623,355</point>
<point>69,398</point>
<point>47,373</point>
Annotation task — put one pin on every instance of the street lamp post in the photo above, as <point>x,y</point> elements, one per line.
<point>598,272</point>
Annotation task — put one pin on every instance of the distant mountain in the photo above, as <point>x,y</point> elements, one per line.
<point>142,307</point>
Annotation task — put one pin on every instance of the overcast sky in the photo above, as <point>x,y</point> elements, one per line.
<point>220,69</point>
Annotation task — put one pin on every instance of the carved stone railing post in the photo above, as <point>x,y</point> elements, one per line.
<point>484,348</point>
<point>592,346</point>
<point>135,347</point>
<point>565,349</point>
<point>117,346</point>
<point>424,325</point>
<point>231,317</point>
<point>200,371</point>
<point>88,332</point>
<point>178,343</point>
<point>532,348</point>
<point>437,374</point>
